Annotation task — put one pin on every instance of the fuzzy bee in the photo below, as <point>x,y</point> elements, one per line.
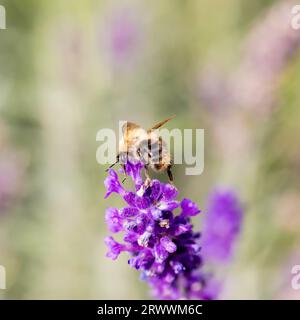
<point>145,146</point>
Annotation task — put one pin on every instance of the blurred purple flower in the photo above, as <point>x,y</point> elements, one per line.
<point>162,245</point>
<point>267,51</point>
<point>222,226</point>
<point>123,35</point>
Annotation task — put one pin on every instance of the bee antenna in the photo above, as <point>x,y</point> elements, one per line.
<point>158,125</point>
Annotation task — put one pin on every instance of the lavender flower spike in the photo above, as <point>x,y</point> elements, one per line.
<point>162,245</point>
<point>221,226</point>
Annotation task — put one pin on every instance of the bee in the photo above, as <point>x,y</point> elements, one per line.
<point>145,146</point>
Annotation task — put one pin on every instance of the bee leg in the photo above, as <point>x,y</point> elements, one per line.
<point>170,175</point>
<point>123,167</point>
<point>110,166</point>
<point>117,160</point>
<point>148,179</point>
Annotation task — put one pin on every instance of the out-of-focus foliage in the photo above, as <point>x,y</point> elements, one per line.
<point>70,68</point>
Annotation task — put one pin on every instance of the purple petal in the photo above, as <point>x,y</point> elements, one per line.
<point>113,220</point>
<point>168,244</point>
<point>160,253</point>
<point>130,237</point>
<point>128,212</point>
<point>156,213</point>
<point>169,192</point>
<point>143,202</point>
<point>153,191</point>
<point>177,266</point>
<point>168,206</point>
<point>143,239</point>
<point>114,247</point>
<point>112,184</point>
<point>189,208</point>
<point>130,198</point>
<point>182,228</point>
<point>134,171</point>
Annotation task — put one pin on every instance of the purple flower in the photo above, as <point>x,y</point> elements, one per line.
<point>113,220</point>
<point>115,248</point>
<point>112,184</point>
<point>267,51</point>
<point>161,244</point>
<point>189,208</point>
<point>134,171</point>
<point>221,225</point>
<point>123,33</point>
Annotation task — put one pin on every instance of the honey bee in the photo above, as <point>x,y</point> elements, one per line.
<point>145,146</point>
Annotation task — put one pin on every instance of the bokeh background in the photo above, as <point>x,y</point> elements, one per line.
<point>70,68</point>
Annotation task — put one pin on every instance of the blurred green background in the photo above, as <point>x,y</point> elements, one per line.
<point>70,68</point>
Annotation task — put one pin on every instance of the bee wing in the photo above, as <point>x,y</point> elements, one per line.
<point>161,123</point>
